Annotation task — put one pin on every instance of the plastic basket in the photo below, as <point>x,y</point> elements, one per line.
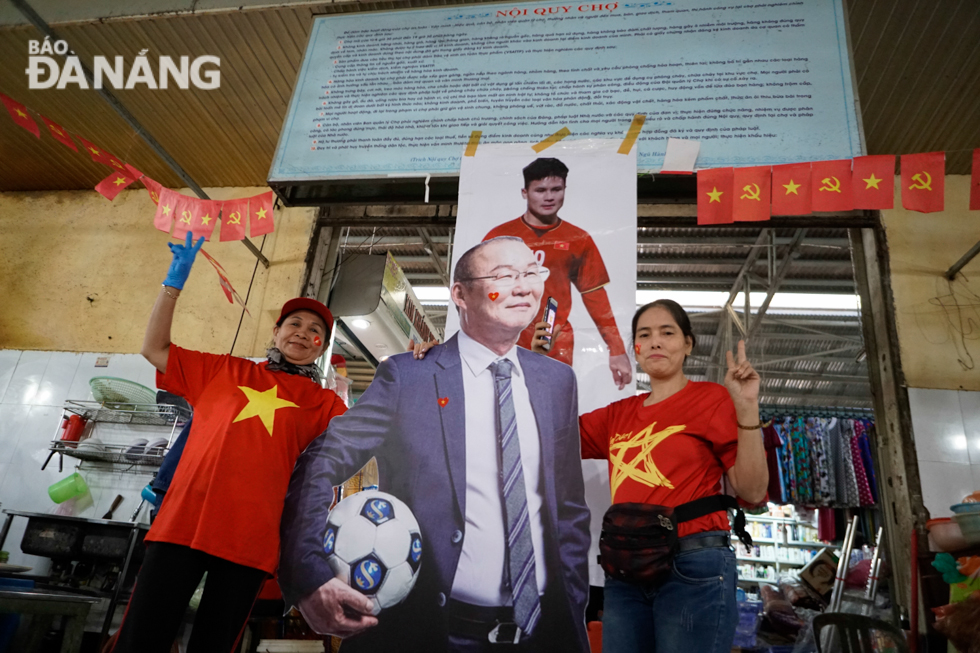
<point>115,392</point>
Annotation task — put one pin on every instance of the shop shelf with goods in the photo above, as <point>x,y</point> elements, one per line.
<point>782,541</point>
<point>119,436</point>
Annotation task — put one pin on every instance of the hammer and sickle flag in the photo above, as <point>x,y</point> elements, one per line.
<point>874,182</point>
<point>234,217</point>
<point>831,185</point>
<point>791,189</point>
<point>715,190</point>
<point>923,181</point>
<point>751,202</point>
<point>59,133</point>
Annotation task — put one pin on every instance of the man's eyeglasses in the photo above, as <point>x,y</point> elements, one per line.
<point>505,280</point>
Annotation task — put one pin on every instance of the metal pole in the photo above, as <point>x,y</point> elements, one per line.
<point>35,19</point>
<point>954,270</point>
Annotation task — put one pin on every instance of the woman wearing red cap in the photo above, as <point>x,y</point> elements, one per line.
<point>221,514</point>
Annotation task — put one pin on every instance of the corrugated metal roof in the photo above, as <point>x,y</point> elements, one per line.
<point>917,66</point>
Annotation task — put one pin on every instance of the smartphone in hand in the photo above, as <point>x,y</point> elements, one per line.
<point>550,313</point>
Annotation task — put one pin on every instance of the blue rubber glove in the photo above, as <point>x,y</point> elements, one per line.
<point>180,267</point>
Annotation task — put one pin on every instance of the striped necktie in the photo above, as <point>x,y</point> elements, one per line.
<point>519,572</point>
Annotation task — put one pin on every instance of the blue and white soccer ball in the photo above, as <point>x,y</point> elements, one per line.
<point>374,545</point>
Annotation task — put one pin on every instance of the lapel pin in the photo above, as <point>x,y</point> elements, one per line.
<point>443,401</point>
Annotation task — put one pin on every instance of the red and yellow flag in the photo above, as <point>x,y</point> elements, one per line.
<point>791,189</point>
<point>715,196</point>
<point>97,153</point>
<point>751,194</point>
<point>260,221</point>
<point>206,216</point>
<point>923,181</point>
<point>831,184</point>
<point>874,182</point>
<point>113,184</point>
<point>164,217</point>
<point>975,182</point>
<point>21,115</point>
<point>234,215</point>
<point>186,210</point>
<point>59,134</point>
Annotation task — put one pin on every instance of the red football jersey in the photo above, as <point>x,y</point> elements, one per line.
<point>670,453</point>
<point>571,257</point>
<point>250,426</point>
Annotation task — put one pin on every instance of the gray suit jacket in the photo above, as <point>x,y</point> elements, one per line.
<point>421,452</point>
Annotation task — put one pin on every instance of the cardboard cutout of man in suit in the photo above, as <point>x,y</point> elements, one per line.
<point>440,434</point>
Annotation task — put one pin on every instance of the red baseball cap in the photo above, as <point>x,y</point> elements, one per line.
<point>306,304</point>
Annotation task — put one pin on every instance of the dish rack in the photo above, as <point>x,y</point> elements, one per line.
<point>117,456</point>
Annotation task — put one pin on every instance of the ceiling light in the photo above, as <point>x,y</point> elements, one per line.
<point>360,323</point>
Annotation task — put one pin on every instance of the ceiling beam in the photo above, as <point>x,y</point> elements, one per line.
<point>434,256</point>
<point>780,276</point>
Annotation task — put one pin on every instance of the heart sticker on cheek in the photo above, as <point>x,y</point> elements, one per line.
<point>493,296</point>
<point>443,401</point>
<point>636,348</point>
<point>317,342</point>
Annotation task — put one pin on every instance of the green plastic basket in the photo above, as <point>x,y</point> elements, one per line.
<point>114,392</point>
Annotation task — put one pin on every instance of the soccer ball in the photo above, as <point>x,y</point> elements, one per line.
<point>374,544</point>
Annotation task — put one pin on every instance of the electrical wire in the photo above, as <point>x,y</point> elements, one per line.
<point>247,294</point>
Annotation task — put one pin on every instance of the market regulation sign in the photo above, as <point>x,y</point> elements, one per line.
<point>399,92</point>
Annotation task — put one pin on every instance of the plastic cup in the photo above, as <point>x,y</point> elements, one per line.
<point>67,488</point>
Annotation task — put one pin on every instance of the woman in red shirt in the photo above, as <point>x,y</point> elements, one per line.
<point>667,448</point>
<point>221,513</point>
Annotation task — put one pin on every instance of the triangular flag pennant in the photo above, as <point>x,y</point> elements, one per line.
<point>873,182</point>
<point>751,194</point>
<point>831,185</point>
<point>234,214</point>
<point>715,196</point>
<point>226,286</point>
<point>791,189</point>
<point>164,217</point>
<point>975,182</point>
<point>21,115</point>
<point>923,181</point>
<point>154,188</point>
<point>116,163</point>
<point>59,134</point>
<point>97,153</point>
<point>260,221</point>
<point>113,185</point>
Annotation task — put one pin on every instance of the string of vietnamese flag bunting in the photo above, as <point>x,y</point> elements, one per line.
<point>174,211</point>
<point>727,195</point>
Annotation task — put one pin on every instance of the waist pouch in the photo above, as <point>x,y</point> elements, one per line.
<point>639,540</point>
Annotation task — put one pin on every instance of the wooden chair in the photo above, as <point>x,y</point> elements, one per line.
<point>856,633</point>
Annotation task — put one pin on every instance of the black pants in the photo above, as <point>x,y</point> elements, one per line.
<point>166,581</point>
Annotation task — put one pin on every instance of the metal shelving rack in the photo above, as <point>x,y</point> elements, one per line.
<point>778,542</point>
<point>116,454</point>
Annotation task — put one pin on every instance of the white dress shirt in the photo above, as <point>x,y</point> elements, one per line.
<point>480,572</point>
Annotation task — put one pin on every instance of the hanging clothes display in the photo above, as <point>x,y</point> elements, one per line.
<point>821,460</point>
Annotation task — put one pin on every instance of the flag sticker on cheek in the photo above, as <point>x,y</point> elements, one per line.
<point>493,296</point>
<point>317,342</point>
<point>636,348</point>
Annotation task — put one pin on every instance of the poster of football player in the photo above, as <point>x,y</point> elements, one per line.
<point>574,205</point>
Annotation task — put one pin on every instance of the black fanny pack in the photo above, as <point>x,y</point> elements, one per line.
<point>638,540</point>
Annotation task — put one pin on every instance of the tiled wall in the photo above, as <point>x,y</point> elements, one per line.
<point>33,388</point>
<point>946,426</point>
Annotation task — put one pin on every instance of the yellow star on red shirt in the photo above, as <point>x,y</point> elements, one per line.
<point>263,405</point>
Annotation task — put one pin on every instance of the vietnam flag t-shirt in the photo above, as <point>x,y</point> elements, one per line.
<point>670,453</point>
<point>250,425</point>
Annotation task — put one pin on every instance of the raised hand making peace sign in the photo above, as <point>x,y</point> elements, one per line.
<point>741,379</point>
